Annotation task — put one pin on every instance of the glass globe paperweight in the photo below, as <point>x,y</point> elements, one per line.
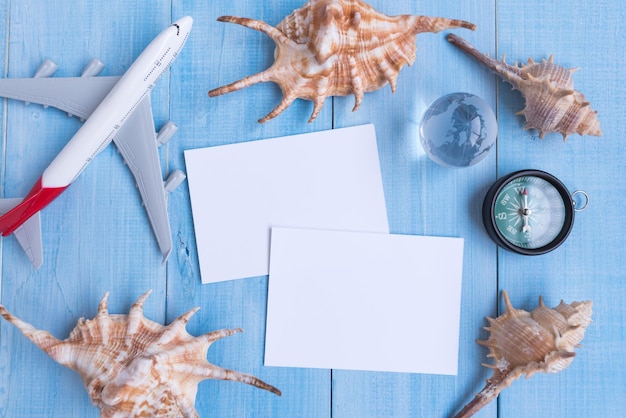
<point>458,130</point>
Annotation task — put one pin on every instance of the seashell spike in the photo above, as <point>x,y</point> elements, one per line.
<point>522,342</point>
<point>336,48</point>
<point>552,103</point>
<point>134,367</point>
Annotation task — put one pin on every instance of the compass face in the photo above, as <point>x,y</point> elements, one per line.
<point>529,212</point>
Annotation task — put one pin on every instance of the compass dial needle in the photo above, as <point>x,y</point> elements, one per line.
<point>526,212</point>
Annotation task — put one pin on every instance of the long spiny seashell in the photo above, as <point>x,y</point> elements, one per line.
<point>336,48</point>
<point>552,103</point>
<point>134,367</point>
<point>522,342</point>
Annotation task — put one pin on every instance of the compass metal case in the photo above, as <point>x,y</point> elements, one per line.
<point>529,212</point>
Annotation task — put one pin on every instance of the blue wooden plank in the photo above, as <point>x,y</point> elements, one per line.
<point>96,235</point>
<point>583,35</point>
<point>4,36</point>
<point>426,199</point>
<point>217,54</point>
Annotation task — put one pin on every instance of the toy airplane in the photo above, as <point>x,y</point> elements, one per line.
<point>114,109</point>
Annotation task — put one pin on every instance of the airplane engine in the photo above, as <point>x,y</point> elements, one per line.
<point>166,132</point>
<point>93,68</point>
<point>46,69</point>
<point>173,181</point>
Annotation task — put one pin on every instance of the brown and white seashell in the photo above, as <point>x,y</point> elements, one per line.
<point>552,103</point>
<point>336,48</point>
<point>522,342</point>
<point>134,367</point>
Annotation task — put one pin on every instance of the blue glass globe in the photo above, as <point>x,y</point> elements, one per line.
<point>458,130</point>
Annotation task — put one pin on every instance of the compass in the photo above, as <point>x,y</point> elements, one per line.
<point>530,212</point>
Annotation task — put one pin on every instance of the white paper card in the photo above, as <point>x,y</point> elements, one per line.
<point>362,301</point>
<point>322,180</point>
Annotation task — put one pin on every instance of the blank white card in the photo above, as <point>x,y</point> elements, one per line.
<point>364,301</point>
<point>321,180</point>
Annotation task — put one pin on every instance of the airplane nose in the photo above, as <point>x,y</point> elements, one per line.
<point>184,24</point>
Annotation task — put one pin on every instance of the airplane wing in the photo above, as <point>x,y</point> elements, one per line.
<point>137,142</point>
<point>78,96</point>
<point>28,234</point>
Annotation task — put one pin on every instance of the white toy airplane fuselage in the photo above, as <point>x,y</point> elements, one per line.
<point>127,100</point>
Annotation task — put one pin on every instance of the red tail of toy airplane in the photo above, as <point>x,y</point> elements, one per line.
<point>38,198</point>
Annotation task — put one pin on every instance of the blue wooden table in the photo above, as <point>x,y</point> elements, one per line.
<point>97,238</point>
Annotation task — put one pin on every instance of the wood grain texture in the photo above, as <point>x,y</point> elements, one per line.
<point>96,237</point>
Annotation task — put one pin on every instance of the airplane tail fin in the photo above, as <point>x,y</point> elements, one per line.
<point>28,234</point>
<point>38,198</point>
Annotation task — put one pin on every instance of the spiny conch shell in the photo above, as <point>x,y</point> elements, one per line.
<point>336,48</point>
<point>522,342</point>
<point>134,367</point>
<point>552,103</point>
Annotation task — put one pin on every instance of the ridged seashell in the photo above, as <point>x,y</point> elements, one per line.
<point>552,103</point>
<point>522,342</point>
<point>134,367</point>
<point>336,48</point>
